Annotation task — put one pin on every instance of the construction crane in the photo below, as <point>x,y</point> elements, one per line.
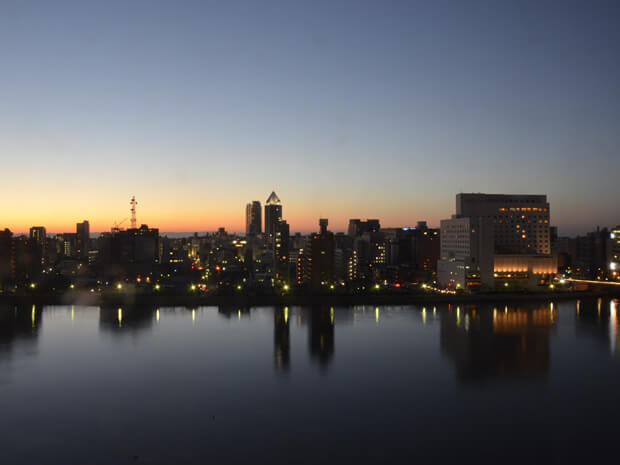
<point>116,227</point>
<point>133,203</point>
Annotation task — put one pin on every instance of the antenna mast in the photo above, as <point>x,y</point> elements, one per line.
<point>133,204</point>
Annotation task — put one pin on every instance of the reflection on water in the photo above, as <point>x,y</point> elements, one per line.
<point>402,380</point>
<point>483,341</point>
<point>597,319</point>
<point>19,325</point>
<point>126,319</point>
<point>281,339</point>
<point>321,335</point>
<point>487,341</point>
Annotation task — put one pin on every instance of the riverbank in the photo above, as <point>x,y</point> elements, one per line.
<point>244,300</point>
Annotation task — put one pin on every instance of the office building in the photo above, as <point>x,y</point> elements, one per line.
<point>38,235</point>
<point>466,253</point>
<point>413,251</point>
<point>520,222</point>
<point>273,213</point>
<point>83,239</point>
<point>281,250</point>
<point>67,245</point>
<point>614,262</point>
<point>253,218</point>
<point>512,229</point>
<point>318,265</point>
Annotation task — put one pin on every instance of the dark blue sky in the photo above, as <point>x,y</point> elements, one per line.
<point>346,109</point>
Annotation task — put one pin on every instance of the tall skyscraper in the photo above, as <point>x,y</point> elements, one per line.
<point>273,213</point>
<point>253,218</point>
<point>83,237</point>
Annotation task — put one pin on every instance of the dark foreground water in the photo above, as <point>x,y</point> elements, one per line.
<point>504,383</point>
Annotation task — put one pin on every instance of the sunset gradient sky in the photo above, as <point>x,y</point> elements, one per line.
<point>347,109</point>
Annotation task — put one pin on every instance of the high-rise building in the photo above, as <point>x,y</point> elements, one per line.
<point>515,233</point>
<point>321,257</point>
<point>614,263</point>
<point>253,218</point>
<point>593,254</point>
<point>273,213</point>
<point>38,235</point>
<point>7,257</point>
<point>466,253</point>
<point>281,250</point>
<point>83,238</point>
<point>68,244</point>
<point>520,222</point>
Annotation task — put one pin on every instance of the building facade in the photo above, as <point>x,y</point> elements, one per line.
<point>614,262</point>
<point>520,222</point>
<point>83,238</point>
<point>466,253</point>
<point>273,213</point>
<point>513,230</point>
<point>253,218</point>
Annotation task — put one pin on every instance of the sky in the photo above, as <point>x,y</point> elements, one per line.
<point>347,109</point>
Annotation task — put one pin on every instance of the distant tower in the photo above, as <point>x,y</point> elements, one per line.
<point>273,213</point>
<point>133,204</point>
<point>253,218</point>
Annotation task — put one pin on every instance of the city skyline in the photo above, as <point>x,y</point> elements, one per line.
<point>310,231</point>
<point>346,109</point>
<point>339,224</point>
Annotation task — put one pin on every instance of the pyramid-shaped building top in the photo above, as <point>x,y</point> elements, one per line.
<point>273,199</point>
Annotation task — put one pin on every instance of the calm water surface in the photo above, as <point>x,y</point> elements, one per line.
<point>527,383</point>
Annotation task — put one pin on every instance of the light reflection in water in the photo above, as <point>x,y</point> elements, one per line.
<point>510,352</point>
<point>613,325</point>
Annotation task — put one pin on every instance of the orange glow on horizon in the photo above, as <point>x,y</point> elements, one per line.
<point>232,223</point>
<point>168,214</point>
